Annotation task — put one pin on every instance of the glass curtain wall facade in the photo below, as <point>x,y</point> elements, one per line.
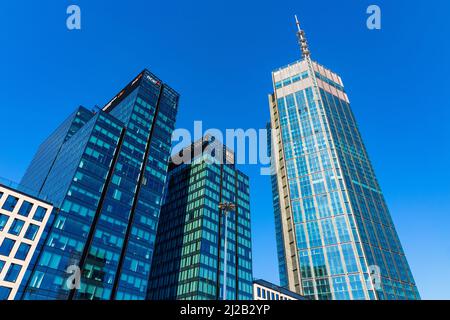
<point>191,231</point>
<point>334,225</point>
<point>42,163</point>
<point>108,181</point>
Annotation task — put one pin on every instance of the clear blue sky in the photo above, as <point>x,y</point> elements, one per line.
<point>219,55</point>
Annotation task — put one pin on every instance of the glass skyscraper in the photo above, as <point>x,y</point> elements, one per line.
<point>191,233</point>
<point>106,171</point>
<point>335,235</point>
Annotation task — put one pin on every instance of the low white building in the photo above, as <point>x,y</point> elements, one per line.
<point>265,290</point>
<point>22,222</point>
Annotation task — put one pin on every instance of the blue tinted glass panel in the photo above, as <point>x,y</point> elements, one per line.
<point>3,221</point>
<point>31,232</point>
<point>22,252</point>
<point>10,203</point>
<point>16,227</point>
<point>7,245</point>
<point>4,293</point>
<point>39,214</point>
<point>25,208</point>
<point>13,272</point>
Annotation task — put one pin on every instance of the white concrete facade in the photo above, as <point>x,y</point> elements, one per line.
<point>263,290</point>
<point>22,222</point>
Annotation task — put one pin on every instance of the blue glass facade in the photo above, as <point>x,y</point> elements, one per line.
<point>191,231</point>
<point>337,237</point>
<point>42,163</point>
<point>108,180</point>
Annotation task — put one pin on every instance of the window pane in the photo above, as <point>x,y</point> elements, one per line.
<point>2,264</point>
<point>22,252</point>
<point>13,272</point>
<point>31,232</point>
<point>39,214</point>
<point>7,245</point>
<point>3,221</point>
<point>10,203</point>
<point>4,293</point>
<point>25,208</point>
<point>16,227</point>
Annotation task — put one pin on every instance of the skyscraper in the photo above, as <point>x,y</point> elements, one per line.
<point>193,236</point>
<point>106,171</point>
<point>335,235</point>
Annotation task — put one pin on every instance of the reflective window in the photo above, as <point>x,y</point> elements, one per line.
<point>3,221</point>
<point>10,203</point>
<point>39,214</point>
<point>16,227</point>
<point>31,232</point>
<point>25,208</point>
<point>4,293</point>
<point>7,245</point>
<point>22,252</point>
<point>13,272</point>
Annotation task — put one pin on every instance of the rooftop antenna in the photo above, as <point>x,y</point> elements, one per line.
<point>302,40</point>
<point>306,54</point>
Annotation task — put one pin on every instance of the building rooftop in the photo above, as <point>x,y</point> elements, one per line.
<point>218,150</point>
<point>282,290</point>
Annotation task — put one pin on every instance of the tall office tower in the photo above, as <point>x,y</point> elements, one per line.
<point>106,172</point>
<point>335,225</point>
<point>192,229</point>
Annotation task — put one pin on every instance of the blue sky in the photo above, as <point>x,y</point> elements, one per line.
<point>219,55</point>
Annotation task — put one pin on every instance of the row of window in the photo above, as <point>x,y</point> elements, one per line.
<point>25,208</point>
<point>291,80</point>
<point>17,226</point>
<point>269,295</point>
<point>8,244</point>
<point>330,82</point>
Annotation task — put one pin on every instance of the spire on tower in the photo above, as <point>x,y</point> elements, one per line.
<point>302,40</point>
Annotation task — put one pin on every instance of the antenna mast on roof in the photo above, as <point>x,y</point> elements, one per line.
<point>302,40</point>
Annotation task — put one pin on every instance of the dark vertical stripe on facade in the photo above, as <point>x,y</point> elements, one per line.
<point>219,238</point>
<point>99,208</point>
<point>136,197</point>
<point>50,169</point>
